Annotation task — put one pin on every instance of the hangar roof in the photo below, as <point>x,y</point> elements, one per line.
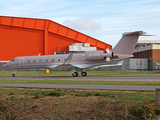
<point>53,27</point>
<point>30,36</point>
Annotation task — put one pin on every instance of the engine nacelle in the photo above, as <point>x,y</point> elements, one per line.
<point>97,55</point>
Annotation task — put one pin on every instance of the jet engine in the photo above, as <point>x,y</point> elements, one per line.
<point>98,55</point>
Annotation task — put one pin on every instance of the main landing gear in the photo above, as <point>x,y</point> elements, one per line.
<point>83,74</point>
<point>14,72</point>
<point>75,74</point>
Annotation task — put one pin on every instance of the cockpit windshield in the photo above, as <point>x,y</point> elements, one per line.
<point>12,60</point>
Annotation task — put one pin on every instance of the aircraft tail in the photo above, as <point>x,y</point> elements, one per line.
<point>127,43</point>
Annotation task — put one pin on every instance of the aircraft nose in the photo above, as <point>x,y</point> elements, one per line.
<point>5,65</point>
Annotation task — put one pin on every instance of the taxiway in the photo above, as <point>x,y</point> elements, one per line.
<point>98,87</point>
<point>91,78</point>
<point>88,78</point>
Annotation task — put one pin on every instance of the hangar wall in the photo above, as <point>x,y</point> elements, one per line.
<point>27,36</point>
<point>28,42</point>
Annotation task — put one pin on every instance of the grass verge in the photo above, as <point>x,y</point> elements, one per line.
<point>148,83</point>
<point>72,104</point>
<point>91,73</point>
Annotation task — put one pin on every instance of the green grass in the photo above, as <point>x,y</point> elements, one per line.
<point>25,103</point>
<point>90,73</point>
<point>153,83</point>
<point>132,95</point>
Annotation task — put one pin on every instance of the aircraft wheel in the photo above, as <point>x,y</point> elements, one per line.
<point>83,74</point>
<point>75,74</point>
<point>13,75</point>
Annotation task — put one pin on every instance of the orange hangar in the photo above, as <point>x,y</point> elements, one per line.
<point>28,36</point>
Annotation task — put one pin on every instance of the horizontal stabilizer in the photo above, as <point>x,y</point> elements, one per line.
<point>140,33</point>
<point>133,33</point>
<point>144,34</point>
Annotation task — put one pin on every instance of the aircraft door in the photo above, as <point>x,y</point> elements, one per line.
<point>21,62</point>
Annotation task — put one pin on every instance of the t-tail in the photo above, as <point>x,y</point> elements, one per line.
<point>127,43</point>
<point>123,50</point>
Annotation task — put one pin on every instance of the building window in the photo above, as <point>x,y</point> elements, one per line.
<point>59,60</point>
<point>28,61</point>
<point>40,60</point>
<point>65,59</point>
<point>34,61</point>
<point>52,60</point>
<point>46,60</point>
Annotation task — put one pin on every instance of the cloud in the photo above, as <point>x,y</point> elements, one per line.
<point>82,24</point>
<point>113,39</point>
<point>110,39</point>
<point>106,20</point>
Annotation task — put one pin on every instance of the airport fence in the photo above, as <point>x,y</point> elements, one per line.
<point>1,65</point>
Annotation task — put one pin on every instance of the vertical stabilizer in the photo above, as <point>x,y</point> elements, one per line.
<point>127,43</point>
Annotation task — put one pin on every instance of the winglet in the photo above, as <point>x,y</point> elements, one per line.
<point>68,61</point>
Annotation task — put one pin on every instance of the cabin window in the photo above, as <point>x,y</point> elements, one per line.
<point>52,60</point>
<point>28,61</point>
<point>40,60</point>
<point>34,61</point>
<point>65,59</point>
<point>46,60</point>
<point>59,60</point>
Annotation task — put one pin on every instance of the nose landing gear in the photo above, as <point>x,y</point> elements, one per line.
<point>13,74</point>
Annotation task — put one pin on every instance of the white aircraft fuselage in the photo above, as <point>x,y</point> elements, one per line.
<point>74,61</point>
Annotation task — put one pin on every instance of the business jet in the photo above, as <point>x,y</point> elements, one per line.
<point>80,61</point>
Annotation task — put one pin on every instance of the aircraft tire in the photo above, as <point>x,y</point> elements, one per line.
<point>13,75</point>
<point>75,74</point>
<point>83,74</point>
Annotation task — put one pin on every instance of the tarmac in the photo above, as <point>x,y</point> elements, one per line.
<point>96,87</point>
<point>88,78</point>
<point>91,78</point>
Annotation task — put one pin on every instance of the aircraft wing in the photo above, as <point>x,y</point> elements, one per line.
<point>63,66</point>
<point>52,66</point>
<point>95,65</point>
<point>68,64</point>
<point>118,64</point>
<point>68,60</point>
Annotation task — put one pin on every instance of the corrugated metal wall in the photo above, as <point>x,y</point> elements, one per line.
<point>20,42</point>
<point>136,64</point>
<point>153,57</point>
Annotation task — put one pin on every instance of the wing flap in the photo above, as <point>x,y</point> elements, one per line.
<point>118,64</point>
